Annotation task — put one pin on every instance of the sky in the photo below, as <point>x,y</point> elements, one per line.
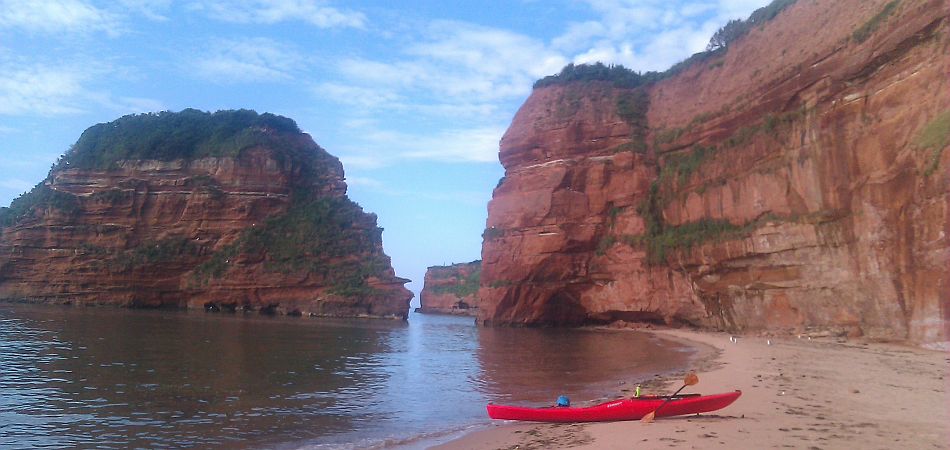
<point>412,95</point>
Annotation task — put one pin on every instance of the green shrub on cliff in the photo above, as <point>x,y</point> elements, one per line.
<point>328,237</point>
<point>618,75</point>
<point>464,286</point>
<point>679,167</point>
<point>660,239</point>
<point>632,107</point>
<point>935,136</point>
<point>189,134</point>
<point>865,31</point>
<point>688,235</point>
<point>322,227</point>
<point>41,196</point>
<point>157,252</point>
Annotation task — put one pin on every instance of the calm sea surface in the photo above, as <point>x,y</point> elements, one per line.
<point>111,378</point>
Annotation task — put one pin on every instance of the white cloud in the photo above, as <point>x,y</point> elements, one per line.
<point>477,145</point>
<point>489,63</point>
<point>378,147</point>
<point>360,97</point>
<point>314,12</point>
<point>150,9</point>
<point>648,34</point>
<point>579,34</point>
<point>452,69</point>
<point>56,16</point>
<point>473,198</point>
<point>247,60</point>
<point>376,73</point>
<point>39,90</point>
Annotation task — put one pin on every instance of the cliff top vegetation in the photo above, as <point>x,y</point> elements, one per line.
<point>619,75</point>
<point>189,134</point>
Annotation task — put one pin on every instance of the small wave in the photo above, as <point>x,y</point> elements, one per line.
<point>411,442</point>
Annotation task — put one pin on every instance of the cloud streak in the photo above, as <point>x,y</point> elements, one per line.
<point>270,12</point>
<point>379,147</point>
<point>247,60</point>
<point>647,34</point>
<point>47,90</point>
<point>452,63</point>
<point>56,16</point>
<point>39,90</point>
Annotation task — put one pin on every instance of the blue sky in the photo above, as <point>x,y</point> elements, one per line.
<point>412,96</point>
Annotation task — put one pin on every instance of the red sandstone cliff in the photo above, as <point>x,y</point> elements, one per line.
<point>451,289</point>
<point>265,229</point>
<point>797,181</point>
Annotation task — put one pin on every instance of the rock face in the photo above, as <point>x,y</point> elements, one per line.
<point>223,211</point>
<point>797,181</point>
<point>451,289</point>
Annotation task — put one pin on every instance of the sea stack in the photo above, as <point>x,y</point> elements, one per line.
<point>451,289</point>
<point>226,211</point>
<point>794,178</point>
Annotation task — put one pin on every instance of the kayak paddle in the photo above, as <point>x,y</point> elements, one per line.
<point>690,380</point>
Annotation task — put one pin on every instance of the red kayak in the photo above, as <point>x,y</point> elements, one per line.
<point>624,409</point>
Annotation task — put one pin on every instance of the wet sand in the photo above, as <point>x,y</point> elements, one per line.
<point>820,393</point>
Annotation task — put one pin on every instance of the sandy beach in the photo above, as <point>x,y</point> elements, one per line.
<point>813,393</point>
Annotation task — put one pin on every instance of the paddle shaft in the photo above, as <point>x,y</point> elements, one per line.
<point>669,399</point>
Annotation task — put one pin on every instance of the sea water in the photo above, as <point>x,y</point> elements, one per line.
<point>113,378</point>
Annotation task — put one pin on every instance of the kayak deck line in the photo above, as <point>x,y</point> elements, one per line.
<point>618,410</point>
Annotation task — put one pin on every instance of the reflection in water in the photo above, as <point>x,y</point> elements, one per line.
<point>119,378</point>
<point>533,366</point>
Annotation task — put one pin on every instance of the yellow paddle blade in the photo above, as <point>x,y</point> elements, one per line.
<point>649,417</point>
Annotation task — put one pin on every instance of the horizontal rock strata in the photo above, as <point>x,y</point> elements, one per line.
<point>451,289</point>
<point>261,225</point>
<point>794,181</point>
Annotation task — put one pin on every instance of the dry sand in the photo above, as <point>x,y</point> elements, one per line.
<point>819,393</point>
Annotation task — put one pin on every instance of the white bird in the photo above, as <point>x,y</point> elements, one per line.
<point>769,342</point>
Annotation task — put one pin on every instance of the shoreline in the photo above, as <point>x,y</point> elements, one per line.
<point>798,392</point>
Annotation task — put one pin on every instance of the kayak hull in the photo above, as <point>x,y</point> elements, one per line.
<point>617,410</point>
